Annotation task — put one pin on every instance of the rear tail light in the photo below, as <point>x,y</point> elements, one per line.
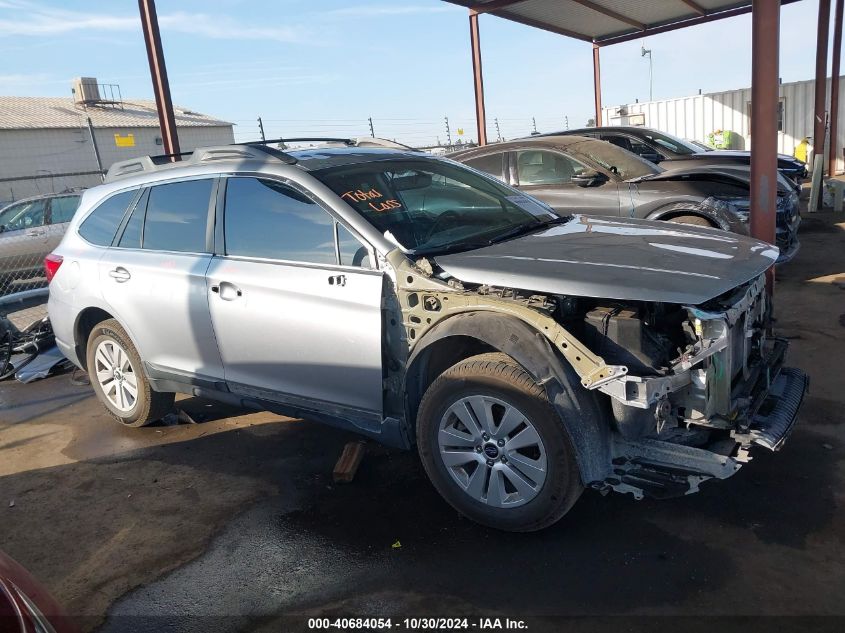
<point>51,265</point>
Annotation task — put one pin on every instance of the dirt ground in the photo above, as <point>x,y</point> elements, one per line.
<point>233,523</point>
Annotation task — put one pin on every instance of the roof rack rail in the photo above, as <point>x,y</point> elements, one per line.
<point>303,139</point>
<point>235,151</point>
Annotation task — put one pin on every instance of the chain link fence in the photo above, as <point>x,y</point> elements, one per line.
<point>29,230</point>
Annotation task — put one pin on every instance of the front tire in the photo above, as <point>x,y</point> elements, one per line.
<point>495,448</point>
<point>116,373</point>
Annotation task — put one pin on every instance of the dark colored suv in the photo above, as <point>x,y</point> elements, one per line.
<point>672,152</point>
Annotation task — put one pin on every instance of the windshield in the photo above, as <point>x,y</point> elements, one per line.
<point>701,146</point>
<point>613,158</point>
<point>672,143</point>
<point>430,206</point>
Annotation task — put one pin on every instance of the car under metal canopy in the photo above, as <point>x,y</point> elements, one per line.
<point>605,22</point>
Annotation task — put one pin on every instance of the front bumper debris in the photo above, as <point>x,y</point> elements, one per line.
<point>778,411</point>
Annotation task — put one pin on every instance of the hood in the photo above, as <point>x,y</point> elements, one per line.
<point>740,154</point>
<point>623,259</point>
<point>738,173</point>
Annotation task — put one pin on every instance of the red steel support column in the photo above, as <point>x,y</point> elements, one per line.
<point>821,79</point>
<point>765,33</point>
<point>478,78</point>
<point>158,72</point>
<point>834,90</point>
<point>597,83</point>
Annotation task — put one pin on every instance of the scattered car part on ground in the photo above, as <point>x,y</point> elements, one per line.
<point>29,230</point>
<point>673,152</point>
<point>35,344</point>
<point>528,354</point>
<point>585,175</point>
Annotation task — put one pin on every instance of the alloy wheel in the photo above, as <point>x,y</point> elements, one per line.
<point>116,376</point>
<point>492,451</point>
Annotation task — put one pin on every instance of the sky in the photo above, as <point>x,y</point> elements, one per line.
<point>324,67</point>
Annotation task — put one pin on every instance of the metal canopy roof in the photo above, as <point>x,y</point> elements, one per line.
<point>604,22</point>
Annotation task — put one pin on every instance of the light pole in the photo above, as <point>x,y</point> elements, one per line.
<point>643,52</point>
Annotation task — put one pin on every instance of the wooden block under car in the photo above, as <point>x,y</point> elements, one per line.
<point>347,465</point>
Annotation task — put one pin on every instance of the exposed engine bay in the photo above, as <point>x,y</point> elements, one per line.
<point>686,386</point>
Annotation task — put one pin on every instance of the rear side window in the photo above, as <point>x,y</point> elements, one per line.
<point>268,219</point>
<point>538,167</point>
<point>62,209</point>
<point>492,164</point>
<point>100,225</point>
<point>177,216</point>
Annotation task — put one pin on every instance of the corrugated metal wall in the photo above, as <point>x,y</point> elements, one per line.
<point>29,153</point>
<point>698,116</point>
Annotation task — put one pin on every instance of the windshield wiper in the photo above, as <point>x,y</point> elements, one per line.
<point>525,229</point>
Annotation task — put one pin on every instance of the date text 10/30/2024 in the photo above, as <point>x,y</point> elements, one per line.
<point>417,624</point>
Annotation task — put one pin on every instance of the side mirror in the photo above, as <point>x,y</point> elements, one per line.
<point>653,158</point>
<point>589,178</point>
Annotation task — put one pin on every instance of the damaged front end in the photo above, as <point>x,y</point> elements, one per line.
<point>698,417</point>
<point>691,388</point>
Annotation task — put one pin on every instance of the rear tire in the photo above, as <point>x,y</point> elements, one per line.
<point>116,373</point>
<point>512,465</point>
<point>696,220</point>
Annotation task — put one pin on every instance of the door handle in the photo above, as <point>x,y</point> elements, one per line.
<point>120,274</point>
<point>227,291</point>
<point>337,280</point>
<point>36,233</point>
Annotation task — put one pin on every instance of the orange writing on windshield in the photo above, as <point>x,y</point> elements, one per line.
<point>362,196</point>
<point>387,205</point>
<point>359,195</point>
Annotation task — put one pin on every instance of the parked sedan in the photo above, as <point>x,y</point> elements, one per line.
<point>25,605</point>
<point>29,229</point>
<point>672,152</point>
<point>576,174</point>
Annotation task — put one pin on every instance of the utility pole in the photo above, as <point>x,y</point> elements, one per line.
<point>498,132</point>
<point>96,149</point>
<point>643,52</point>
<point>372,131</point>
<point>448,132</point>
<point>261,129</point>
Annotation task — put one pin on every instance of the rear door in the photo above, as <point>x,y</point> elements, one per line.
<point>295,301</point>
<point>153,276</point>
<point>547,175</point>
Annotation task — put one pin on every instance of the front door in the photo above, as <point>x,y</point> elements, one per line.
<point>23,242</point>
<point>295,303</point>
<point>547,175</point>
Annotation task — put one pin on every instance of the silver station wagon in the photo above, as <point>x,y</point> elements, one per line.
<point>526,353</point>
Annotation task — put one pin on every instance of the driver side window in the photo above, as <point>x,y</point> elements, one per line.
<point>26,215</point>
<point>539,167</point>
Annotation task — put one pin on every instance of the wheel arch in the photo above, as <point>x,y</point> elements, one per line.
<point>677,209</point>
<point>470,333</point>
